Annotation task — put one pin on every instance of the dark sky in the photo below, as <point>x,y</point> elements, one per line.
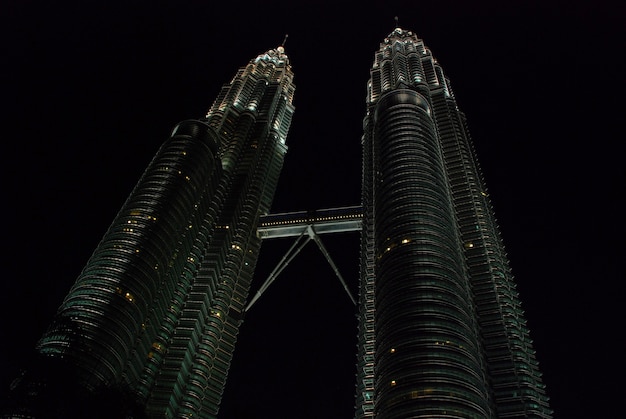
<point>90,92</point>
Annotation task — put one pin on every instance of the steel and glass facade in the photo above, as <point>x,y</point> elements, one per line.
<point>157,308</point>
<point>441,331</point>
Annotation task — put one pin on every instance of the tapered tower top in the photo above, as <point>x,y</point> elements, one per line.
<point>399,34</point>
<point>276,56</point>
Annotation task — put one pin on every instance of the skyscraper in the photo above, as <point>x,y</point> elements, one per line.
<point>441,331</point>
<point>155,312</point>
<point>152,319</point>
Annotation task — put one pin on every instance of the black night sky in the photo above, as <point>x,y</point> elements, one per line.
<point>90,91</point>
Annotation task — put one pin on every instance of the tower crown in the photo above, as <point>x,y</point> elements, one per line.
<point>399,34</point>
<point>275,56</point>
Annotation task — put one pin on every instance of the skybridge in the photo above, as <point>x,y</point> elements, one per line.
<point>307,226</point>
<point>292,224</point>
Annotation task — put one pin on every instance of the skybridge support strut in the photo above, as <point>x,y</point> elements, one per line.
<point>288,257</point>
<point>291,254</point>
<point>319,243</point>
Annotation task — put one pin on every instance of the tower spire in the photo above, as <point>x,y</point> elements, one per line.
<point>284,40</point>
<point>396,19</point>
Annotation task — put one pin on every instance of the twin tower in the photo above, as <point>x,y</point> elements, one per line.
<point>153,318</point>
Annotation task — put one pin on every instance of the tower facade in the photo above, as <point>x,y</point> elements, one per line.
<point>441,331</point>
<point>154,315</point>
<point>156,310</point>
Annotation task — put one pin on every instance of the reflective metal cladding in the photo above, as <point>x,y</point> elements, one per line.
<point>441,331</point>
<point>152,320</point>
<point>157,308</point>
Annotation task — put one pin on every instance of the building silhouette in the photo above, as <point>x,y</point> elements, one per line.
<point>150,325</point>
<point>441,331</point>
<point>155,312</point>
